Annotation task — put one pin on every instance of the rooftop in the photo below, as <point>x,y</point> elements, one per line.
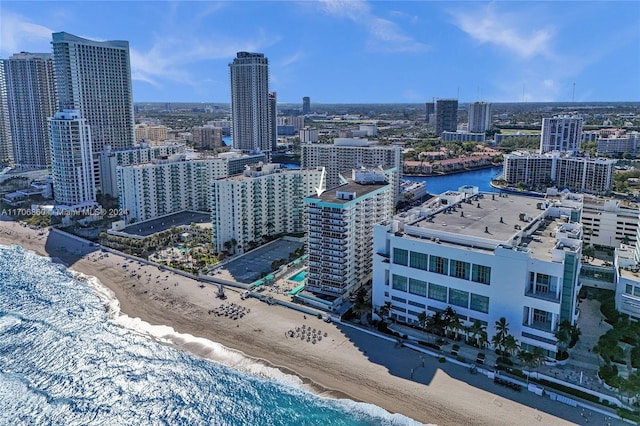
<point>164,223</point>
<point>333,195</point>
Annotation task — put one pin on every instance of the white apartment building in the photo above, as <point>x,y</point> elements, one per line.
<point>561,134</point>
<point>252,125</point>
<point>347,154</point>
<point>627,270</point>
<point>141,153</point>
<point>618,145</point>
<point>479,117</point>
<point>578,174</point>
<point>308,135</point>
<point>486,256</point>
<point>340,235</point>
<point>71,159</point>
<point>266,200</point>
<point>31,101</point>
<point>172,184</point>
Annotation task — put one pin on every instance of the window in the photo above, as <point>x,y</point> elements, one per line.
<point>398,299</point>
<point>438,265</point>
<point>629,289</point>
<point>419,260</point>
<point>460,269</point>
<point>636,291</point>
<point>459,298</point>
<point>437,292</point>
<point>417,287</point>
<point>400,256</point>
<point>399,282</point>
<point>542,282</point>
<point>539,316</point>
<point>419,305</point>
<point>481,274</point>
<point>479,303</point>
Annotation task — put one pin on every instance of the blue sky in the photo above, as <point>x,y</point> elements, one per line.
<point>357,51</point>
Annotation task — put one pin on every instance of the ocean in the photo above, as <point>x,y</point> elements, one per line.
<point>69,357</point>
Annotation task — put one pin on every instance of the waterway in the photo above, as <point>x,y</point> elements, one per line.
<point>439,184</point>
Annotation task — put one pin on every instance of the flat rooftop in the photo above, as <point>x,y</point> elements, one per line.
<point>489,216</point>
<point>331,195</point>
<point>164,223</point>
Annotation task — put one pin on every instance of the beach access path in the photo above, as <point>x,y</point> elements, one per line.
<point>347,363</point>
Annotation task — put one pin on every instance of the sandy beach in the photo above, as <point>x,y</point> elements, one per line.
<point>344,363</point>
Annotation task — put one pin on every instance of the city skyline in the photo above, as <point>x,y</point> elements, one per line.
<point>357,51</point>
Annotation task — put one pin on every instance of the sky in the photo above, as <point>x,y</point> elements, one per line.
<point>357,51</point>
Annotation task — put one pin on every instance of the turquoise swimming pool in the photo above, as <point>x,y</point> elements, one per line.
<point>299,277</point>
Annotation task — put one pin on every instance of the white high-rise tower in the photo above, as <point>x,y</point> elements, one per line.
<point>71,159</point>
<point>561,134</point>
<point>479,117</point>
<point>31,101</point>
<point>250,102</point>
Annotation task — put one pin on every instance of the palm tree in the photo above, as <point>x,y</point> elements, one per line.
<point>502,330</point>
<point>476,330</point>
<point>563,336</point>
<point>510,344</point>
<point>422,319</point>
<point>385,309</point>
<point>455,327</point>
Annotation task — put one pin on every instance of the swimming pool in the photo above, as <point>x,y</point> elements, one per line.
<point>299,277</point>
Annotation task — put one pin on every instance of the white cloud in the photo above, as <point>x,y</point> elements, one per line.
<point>384,34</point>
<point>18,34</point>
<point>504,30</point>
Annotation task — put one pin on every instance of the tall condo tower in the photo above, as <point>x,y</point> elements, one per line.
<point>273,124</point>
<point>479,117</point>
<point>94,78</point>
<point>31,101</point>
<point>250,102</point>
<point>561,134</point>
<point>6,143</point>
<point>71,159</point>
<point>306,105</point>
<point>446,115</point>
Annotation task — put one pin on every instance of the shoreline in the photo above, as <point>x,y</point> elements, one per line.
<point>345,365</point>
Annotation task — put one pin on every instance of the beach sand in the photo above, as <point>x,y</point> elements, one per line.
<point>345,364</point>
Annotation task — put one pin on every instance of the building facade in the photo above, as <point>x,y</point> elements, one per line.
<point>347,154</point>
<point>250,102</point>
<point>6,142</point>
<point>172,184</point>
<point>479,117</point>
<point>266,200</point>
<point>578,174</point>
<point>71,159</point>
<point>446,112</point>
<point>340,235</point>
<point>94,77</point>
<point>521,263</point>
<point>562,134</point>
<point>31,101</point>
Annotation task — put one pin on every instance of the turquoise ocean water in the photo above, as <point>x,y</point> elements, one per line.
<point>67,357</point>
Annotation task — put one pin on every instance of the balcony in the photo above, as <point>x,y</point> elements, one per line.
<point>543,295</point>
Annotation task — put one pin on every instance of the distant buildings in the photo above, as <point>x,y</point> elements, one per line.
<point>345,155</point>
<point>151,133</point>
<point>341,220</point>
<point>578,174</point>
<point>306,105</point>
<point>462,137</point>
<point>485,256</point>
<point>308,135</point>
<point>618,144</point>
<point>6,142</point>
<point>71,160</point>
<point>31,101</point>
<point>446,111</point>
<point>561,134</point>
<point>250,109</point>
<point>430,110</point>
<point>479,117</point>
<point>206,137</point>
<point>265,201</point>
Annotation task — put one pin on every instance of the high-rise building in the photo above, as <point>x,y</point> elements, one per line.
<point>71,159</point>
<point>31,101</point>
<point>561,134</point>
<point>430,109</point>
<point>94,77</point>
<point>306,105</point>
<point>348,154</point>
<point>266,200</point>
<point>340,238</point>
<point>6,143</point>
<point>273,113</point>
<point>250,102</point>
<point>479,117</point>
<point>446,115</point>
